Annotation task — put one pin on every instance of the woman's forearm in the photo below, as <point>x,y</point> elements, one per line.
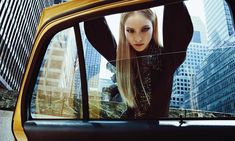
<point>177,31</point>
<point>177,27</point>
<point>101,38</point>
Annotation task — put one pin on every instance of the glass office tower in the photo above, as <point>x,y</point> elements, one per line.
<point>18,23</point>
<point>213,86</point>
<point>219,22</point>
<point>196,53</point>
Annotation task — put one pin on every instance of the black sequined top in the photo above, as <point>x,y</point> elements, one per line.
<point>146,63</point>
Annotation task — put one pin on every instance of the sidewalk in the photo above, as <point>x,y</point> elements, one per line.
<point>5,126</point>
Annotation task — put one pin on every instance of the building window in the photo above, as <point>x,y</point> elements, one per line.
<point>196,37</point>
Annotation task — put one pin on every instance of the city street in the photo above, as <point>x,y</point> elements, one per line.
<point>5,126</point>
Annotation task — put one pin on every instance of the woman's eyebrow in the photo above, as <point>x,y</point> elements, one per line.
<point>129,28</point>
<point>146,26</point>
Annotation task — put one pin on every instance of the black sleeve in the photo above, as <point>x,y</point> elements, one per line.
<point>101,38</point>
<point>177,31</point>
<point>128,114</point>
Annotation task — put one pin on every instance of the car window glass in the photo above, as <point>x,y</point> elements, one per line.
<point>57,93</point>
<point>104,101</point>
<point>203,85</point>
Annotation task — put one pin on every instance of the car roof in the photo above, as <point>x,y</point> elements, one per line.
<point>52,12</point>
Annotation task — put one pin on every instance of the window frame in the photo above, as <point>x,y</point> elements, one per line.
<point>44,40</point>
<point>27,127</point>
<point>75,24</point>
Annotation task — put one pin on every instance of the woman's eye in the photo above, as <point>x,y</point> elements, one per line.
<point>130,30</point>
<point>145,29</point>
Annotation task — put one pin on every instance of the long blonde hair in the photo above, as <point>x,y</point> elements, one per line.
<point>126,58</point>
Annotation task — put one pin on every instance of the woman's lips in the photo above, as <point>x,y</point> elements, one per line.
<point>139,45</point>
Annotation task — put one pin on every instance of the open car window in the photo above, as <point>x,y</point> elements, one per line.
<point>202,86</point>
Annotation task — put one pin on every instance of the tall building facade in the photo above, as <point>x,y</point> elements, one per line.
<point>59,1</point>
<point>219,22</point>
<point>213,86</point>
<point>57,82</point>
<point>18,23</point>
<point>196,53</point>
<point>92,60</point>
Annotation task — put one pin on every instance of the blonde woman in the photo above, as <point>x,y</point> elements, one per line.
<point>144,69</point>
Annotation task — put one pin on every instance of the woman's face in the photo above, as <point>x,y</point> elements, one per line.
<point>138,31</point>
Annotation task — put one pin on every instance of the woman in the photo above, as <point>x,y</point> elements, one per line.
<point>144,69</point>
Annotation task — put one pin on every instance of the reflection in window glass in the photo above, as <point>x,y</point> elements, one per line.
<point>203,85</point>
<point>57,93</point>
<point>104,100</point>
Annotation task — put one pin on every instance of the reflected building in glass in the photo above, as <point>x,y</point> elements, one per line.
<point>56,86</point>
<point>92,61</point>
<point>213,86</point>
<point>18,23</point>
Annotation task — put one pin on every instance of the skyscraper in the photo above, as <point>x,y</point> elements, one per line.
<point>213,85</point>
<point>59,1</point>
<point>92,60</point>
<point>18,23</point>
<point>196,53</point>
<point>218,22</point>
<point>58,79</point>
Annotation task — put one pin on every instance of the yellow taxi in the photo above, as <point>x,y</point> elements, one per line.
<point>70,92</point>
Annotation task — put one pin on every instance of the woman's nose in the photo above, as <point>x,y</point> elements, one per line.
<point>138,37</point>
